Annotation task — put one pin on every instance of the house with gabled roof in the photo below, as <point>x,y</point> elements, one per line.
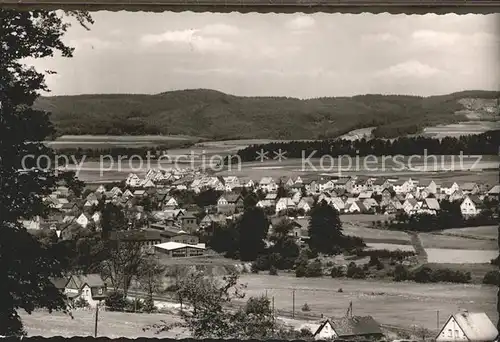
<point>229,203</point>
<point>346,328</point>
<point>410,206</point>
<point>471,206</point>
<point>470,188</point>
<point>429,206</point>
<point>306,204</point>
<point>356,207</point>
<point>468,326</point>
<point>133,180</point>
<point>379,184</point>
<point>89,287</point>
<point>427,184</point>
<point>268,184</point>
<point>457,195</point>
<point>285,203</point>
<point>449,187</point>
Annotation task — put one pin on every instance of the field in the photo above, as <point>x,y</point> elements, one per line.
<point>399,304</point>
<point>477,271</point>
<point>456,242</point>
<point>460,256</point>
<point>391,246</point>
<point>111,324</point>
<point>108,141</point>
<point>484,232</point>
<point>463,128</point>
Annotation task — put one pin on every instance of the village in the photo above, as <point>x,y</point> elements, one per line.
<point>169,228</point>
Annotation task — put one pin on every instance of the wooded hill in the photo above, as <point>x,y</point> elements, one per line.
<point>215,115</point>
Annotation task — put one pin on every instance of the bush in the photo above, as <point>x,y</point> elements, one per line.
<point>149,305</point>
<point>337,272</point>
<point>116,301</point>
<point>262,263</point>
<point>81,303</point>
<point>492,278</point>
<point>314,269</point>
<point>384,254</point>
<point>254,269</point>
<point>355,272</point>
<point>273,270</point>
<point>401,273</point>
<point>306,307</point>
<point>496,261</point>
<point>136,305</point>
<point>300,271</point>
<point>427,275</point>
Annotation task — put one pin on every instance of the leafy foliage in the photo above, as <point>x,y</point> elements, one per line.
<point>26,266</point>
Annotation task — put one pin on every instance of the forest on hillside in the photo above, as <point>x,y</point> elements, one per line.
<point>215,115</point>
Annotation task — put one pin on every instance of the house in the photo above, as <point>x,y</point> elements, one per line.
<point>139,193</point>
<point>146,238</point>
<point>410,206</point>
<point>471,206</point>
<point>268,184</point>
<point>338,204</point>
<point>210,220</point>
<point>325,185</point>
<point>148,183</point>
<point>449,187</point>
<point>298,180</point>
<point>296,197</point>
<point>285,203</point>
<point>470,188</point>
<point>356,207</point>
<point>468,326</point>
<point>344,184</point>
<point>429,206</point>
<point>90,288</point>
<point>116,191</point>
<point>101,189</point>
<point>127,194</point>
<point>402,186</point>
<point>230,203</point>
<point>170,203</point>
<point>133,180</point>
<point>457,195</point>
<point>427,184</point>
<point>355,327</point>
<point>188,223</point>
<point>494,191</point>
<point>371,204</point>
<point>231,182</point>
<point>379,184</point>
<point>84,220</point>
<point>265,204</point>
<point>365,194</point>
<point>306,204</point>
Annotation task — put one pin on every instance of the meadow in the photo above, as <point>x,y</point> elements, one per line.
<point>481,233</point>
<point>111,324</point>
<point>399,304</point>
<point>452,242</point>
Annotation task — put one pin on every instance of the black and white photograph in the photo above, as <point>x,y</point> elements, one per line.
<point>319,176</point>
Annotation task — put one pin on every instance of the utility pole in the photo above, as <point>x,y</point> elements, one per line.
<point>293,303</point>
<point>437,319</point>
<point>96,319</point>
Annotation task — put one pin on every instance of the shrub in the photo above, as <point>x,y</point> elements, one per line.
<point>340,290</point>
<point>355,272</point>
<point>337,272</point>
<point>262,263</point>
<point>314,269</point>
<point>492,278</point>
<point>300,271</point>
<point>496,261</point>
<point>81,303</point>
<point>306,307</point>
<point>116,301</point>
<point>135,305</point>
<point>149,305</point>
<point>273,270</point>
<point>254,269</point>
<point>401,273</point>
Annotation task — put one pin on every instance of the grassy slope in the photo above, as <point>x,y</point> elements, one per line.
<point>216,115</point>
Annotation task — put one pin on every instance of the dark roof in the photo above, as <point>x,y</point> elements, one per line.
<point>136,235</point>
<point>356,326</point>
<point>231,198</point>
<point>59,283</point>
<point>92,280</point>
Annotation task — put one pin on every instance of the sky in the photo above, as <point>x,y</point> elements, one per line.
<point>293,55</point>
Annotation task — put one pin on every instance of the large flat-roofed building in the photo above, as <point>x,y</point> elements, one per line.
<point>177,249</point>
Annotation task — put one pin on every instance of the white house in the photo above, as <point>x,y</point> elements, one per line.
<point>284,203</point>
<point>133,180</point>
<point>268,184</point>
<point>324,331</point>
<point>101,189</point>
<point>410,206</point>
<point>83,220</point>
<point>337,203</point>
<point>170,203</point>
<point>471,206</point>
<point>306,204</point>
<point>468,326</point>
<point>89,287</point>
<point>449,187</point>
<point>232,182</point>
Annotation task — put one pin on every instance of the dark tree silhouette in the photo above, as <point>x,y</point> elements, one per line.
<point>26,266</point>
<point>253,227</point>
<point>325,230</point>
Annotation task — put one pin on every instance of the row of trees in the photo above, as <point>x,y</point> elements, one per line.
<point>481,144</point>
